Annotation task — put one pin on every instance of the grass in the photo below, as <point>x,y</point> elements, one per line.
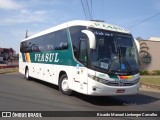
<point>153,72</point>
<point>8,70</point>
<point>153,81</point>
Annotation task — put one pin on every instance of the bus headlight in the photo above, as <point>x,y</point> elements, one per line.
<point>119,82</point>
<point>98,79</point>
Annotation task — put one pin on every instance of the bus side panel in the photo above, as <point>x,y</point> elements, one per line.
<point>80,82</point>
<point>49,73</point>
<point>77,77</point>
<point>45,72</point>
<point>68,70</point>
<point>22,67</point>
<point>36,70</point>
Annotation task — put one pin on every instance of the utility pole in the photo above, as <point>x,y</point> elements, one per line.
<point>26,34</point>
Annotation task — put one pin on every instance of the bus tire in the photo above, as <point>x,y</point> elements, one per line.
<point>27,74</point>
<point>64,85</point>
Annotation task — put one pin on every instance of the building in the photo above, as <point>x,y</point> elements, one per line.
<point>149,56</point>
<point>7,53</point>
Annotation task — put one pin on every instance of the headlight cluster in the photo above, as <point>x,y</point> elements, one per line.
<point>120,82</point>
<point>98,79</point>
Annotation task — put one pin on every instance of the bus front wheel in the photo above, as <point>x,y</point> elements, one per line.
<point>64,85</point>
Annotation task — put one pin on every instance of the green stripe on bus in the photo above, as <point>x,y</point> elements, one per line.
<point>113,76</point>
<point>61,57</point>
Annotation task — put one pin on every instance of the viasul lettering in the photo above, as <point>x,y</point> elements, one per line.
<point>48,57</point>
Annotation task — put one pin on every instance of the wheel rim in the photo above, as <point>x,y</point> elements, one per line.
<point>65,86</point>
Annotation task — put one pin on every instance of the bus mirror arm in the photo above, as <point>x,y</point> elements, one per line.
<point>75,50</point>
<point>92,39</point>
<point>137,44</point>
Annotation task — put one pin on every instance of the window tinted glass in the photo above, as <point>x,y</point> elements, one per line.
<point>23,46</point>
<point>53,41</point>
<point>83,51</point>
<point>76,34</point>
<point>61,41</point>
<point>35,46</point>
<point>49,41</point>
<point>41,43</point>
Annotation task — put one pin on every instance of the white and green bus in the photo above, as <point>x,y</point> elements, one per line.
<point>89,57</point>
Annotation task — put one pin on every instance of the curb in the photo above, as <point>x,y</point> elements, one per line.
<point>9,66</point>
<point>150,76</point>
<point>150,88</point>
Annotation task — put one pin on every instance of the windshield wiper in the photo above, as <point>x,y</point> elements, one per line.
<point>127,64</point>
<point>118,54</point>
<point>122,58</point>
<point>110,68</point>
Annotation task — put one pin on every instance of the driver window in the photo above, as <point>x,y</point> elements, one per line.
<point>83,51</point>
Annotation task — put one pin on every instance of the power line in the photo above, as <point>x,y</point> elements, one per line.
<point>144,20</point>
<point>102,9</point>
<point>83,10</point>
<point>89,9</point>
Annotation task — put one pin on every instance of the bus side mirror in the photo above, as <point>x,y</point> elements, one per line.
<point>92,39</point>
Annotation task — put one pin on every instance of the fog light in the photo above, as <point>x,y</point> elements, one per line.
<point>96,89</point>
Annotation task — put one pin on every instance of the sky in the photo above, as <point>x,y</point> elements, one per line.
<point>17,16</point>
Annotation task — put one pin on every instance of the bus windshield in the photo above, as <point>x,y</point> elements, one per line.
<point>114,53</point>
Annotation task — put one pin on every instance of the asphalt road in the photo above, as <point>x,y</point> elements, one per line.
<point>18,94</point>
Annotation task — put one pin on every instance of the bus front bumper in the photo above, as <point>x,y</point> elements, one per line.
<point>99,89</point>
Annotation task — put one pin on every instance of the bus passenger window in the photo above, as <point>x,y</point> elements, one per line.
<point>49,47</point>
<point>41,48</point>
<point>61,41</point>
<point>49,41</point>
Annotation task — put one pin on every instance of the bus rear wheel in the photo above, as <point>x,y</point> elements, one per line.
<point>27,74</point>
<point>64,85</point>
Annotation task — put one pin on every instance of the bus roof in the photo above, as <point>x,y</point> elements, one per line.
<point>92,24</point>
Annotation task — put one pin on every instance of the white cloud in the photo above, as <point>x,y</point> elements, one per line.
<point>25,16</point>
<point>30,13</point>
<point>9,5</point>
<point>40,12</point>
